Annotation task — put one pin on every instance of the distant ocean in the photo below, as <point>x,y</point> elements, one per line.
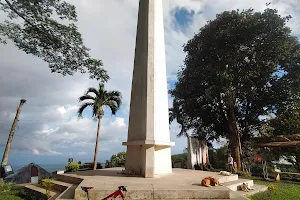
<point>47,167</point>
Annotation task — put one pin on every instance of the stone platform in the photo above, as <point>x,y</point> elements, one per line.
<point>181,184</point>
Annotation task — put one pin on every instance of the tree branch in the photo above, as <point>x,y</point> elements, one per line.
<point>29,22</point>
<point>281,144</point>
<point>18,13</point>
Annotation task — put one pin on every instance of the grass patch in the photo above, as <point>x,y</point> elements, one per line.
<point>11,192</point>
<point>282,190</point>
<point>7,192</point>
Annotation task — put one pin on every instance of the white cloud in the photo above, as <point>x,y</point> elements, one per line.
<point>119,122</point>
<point>62,110</point>
<point>35,152</point>
<point>82,153</point>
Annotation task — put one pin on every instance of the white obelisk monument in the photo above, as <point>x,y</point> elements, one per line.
<point>148,144</point>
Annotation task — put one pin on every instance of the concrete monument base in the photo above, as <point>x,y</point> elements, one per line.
<point>181,184</point>
<point>148,158</point>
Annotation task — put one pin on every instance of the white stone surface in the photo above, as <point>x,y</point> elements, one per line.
<point>161,113</point>
<point>148,143</point>
<point>197,152</point>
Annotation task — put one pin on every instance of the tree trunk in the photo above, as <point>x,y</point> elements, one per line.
<point>96,146</point>
<point>233,137</point>
<point>11,135</point>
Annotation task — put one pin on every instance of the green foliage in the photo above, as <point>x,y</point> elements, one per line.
<point>5,187</point>
<point>30,195</point>
<point>287,122</point>
<point>57,42</point>
<point>278,190</point>
<point>10,197</point>
<point>287,168</point>
<point>182,156</point>
<point>102,98</point>
<point>79,162</point>
<point>257,170</point>
<point>47,184</point>
<point>90,165</point>
<point>7,192</point>
<point>40,180</point>
<point>230,74</point>
<point>218,158</point>
<point>117,160</point>
<point>72,167</point>
<point>243,174</point>
<point>271,187</point>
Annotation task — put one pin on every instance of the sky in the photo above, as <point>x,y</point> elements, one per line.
<point>49,130</point>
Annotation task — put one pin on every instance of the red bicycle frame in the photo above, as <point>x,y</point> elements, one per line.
<point>117,193</point>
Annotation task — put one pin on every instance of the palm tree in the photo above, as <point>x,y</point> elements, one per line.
<point>101,98</point>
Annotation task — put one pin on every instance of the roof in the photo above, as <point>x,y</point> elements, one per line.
<point>23,169</point>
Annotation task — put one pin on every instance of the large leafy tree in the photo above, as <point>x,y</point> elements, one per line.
<point>97,99</point>
<point>46,29</point>
<point>230,73</point>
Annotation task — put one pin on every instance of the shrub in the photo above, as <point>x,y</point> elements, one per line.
<point>90,166</point>
<point>271,187</point>
<point>47,184</point>
<point>79,162</point>
<point>72,167</point>
<point>27,194</point>
<point>5,187</point>
<point>243,174</point>
<point>257,170</point>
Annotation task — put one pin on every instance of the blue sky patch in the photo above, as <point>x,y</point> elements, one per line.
<point>182,18</point>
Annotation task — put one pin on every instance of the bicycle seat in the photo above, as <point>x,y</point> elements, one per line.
<point>86,188</point>
<point>123,188</point>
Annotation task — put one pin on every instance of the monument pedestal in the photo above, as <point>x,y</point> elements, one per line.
<point>148,158</point>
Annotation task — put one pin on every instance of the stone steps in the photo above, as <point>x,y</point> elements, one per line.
<point>235,185</point>
<point>63,188</point>
<point>68,193</point>
<point>68,179</point>
<point>225,179</point>
<point>60,186</point>
<point>257,189</point>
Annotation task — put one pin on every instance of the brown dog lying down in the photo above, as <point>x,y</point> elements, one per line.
<point>210,181</point>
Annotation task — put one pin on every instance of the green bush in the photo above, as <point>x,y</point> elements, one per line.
<point>243,174</point>
<point>72,167</point>
<point>257,170</point>
<point>9,197</point>
<point>27,194</point>
<point>90,166</point>
<point>271,187</point>
<point>47,184</point>
<point>5,187</point>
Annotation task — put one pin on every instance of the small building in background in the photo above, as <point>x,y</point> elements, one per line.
<point>197,153</point>
<point>28,174</point>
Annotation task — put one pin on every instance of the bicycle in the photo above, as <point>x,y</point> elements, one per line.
<point>113,195</point>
